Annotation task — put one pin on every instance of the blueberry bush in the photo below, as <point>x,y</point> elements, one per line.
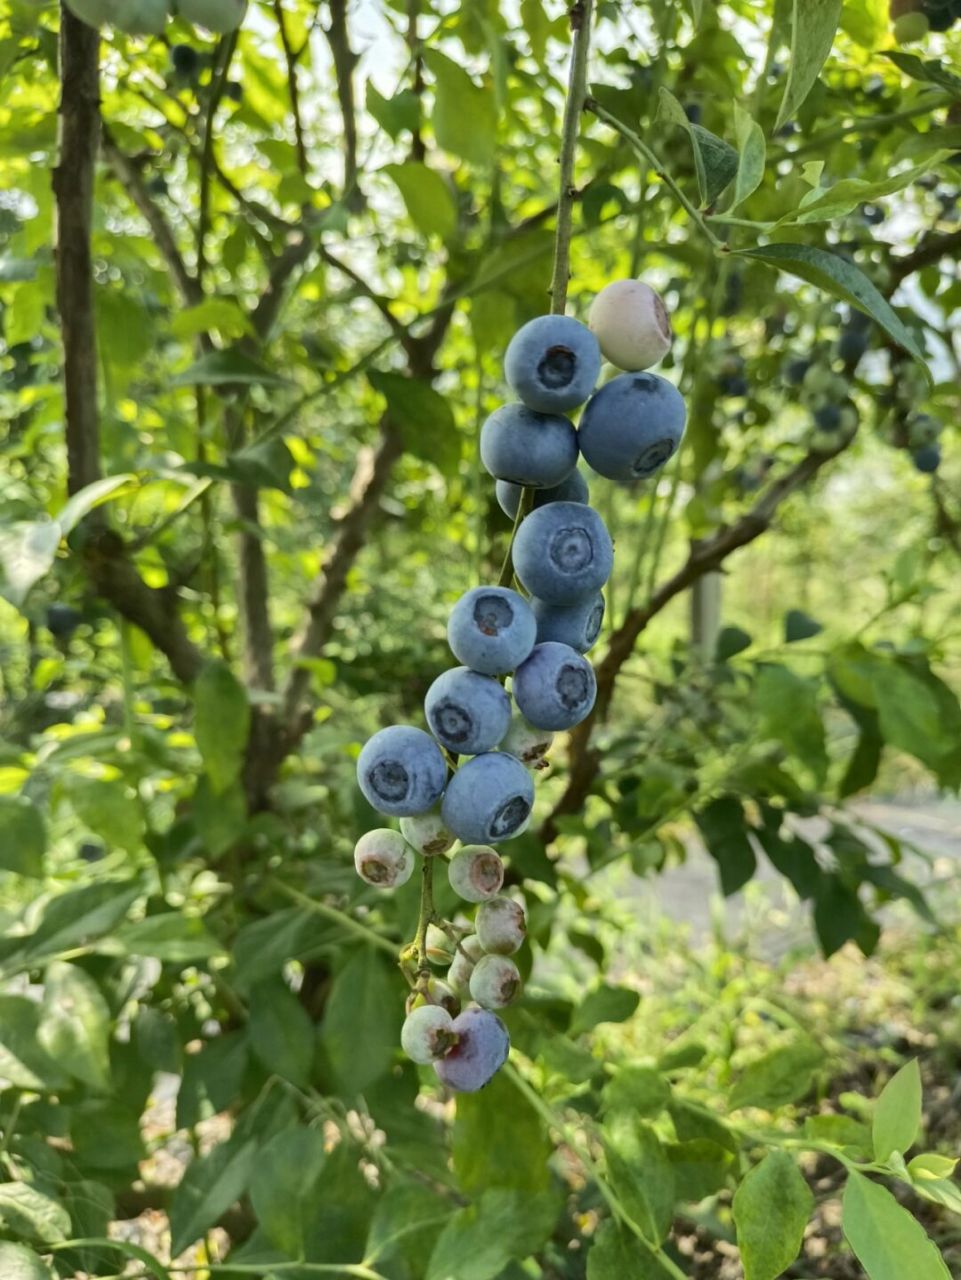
<point>378,384</point>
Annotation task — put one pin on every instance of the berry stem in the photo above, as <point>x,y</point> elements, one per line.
<point>580,16</point>
<point>425,916</point>
<point>525,505</point>
<point>643,150</point>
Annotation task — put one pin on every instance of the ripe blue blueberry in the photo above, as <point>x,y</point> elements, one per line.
<point>577,625</point>
<point>631,426</point>
<point>796,369</point>
<point>495,981</point>
<point>383,858</point>
<point>828,417</point>
<point>501,926</point>
<point>481,1050</point>
<point>401,771</point>
<point>927,459</point>
<point>491,630</point>
<point>852,345</point>
<point>185,59</point>
<point>555,688</point>
<point>476,873</point>
<point>552,363</point>
<point>573,489</point>
<point>468,713</point>
<point>563,552</point>
<point>528,448</point>
<point>489,799</point>
<point>428,1033</point>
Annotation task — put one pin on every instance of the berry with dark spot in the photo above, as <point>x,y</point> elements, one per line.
<point>631,427</point>
<point>468,713</point>
<point>563,552</point>
<point>552,363</point>
<point>555,688</point>
<point>401,771</point>
<point>491,629</point>
<point>495,982</point>
<point>383,858</point>
<point>501,926</point>
<point>577,625</point>
<point>476,873</point>
<point>489,799</point>
<point>481,1050</point>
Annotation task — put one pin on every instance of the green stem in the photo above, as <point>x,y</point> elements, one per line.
<point>332,913</point>
<point>643,150</point>
<point>581,14</point>
<point>524,507</point>
<point>425,916</point>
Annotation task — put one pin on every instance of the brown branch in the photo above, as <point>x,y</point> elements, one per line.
<point>73,182</point>
<point>295,254</point>
<point>399,330</point>
<point>290,57</point>
<point>704,556</point>
<point>931,249</point>
<point>225,52</point>
<point>344,62</point>
<point>132,182</point>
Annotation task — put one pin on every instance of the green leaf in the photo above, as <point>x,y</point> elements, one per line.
<point>212,1077</point>
<point>27,553</point>
<point>404,1228</point>
<point>211,1184</point>
<point>692,1122</point>
<point>104,1136</point>
<point>75,1024</point>
<point>225,368</point>
<point>221,723</point>
<point>281,1032</point>
<point>27,1212</point>
<point>700,1166</point>
<point>780,1076</point>
<point>362,1010</point>
<point>23,837</point>
<point>395,114</point>
<point>724,828</point>
<point>813,28</point>
<point>731,641</point>
<point>77,918</point>
<point>605,1003</point>
<point>788,704</point>
<point>19,1263</point>
<point>840,917</point>
<point>640,1173</point>
<point>793,857</point>
<point>715,161</point>
<point>840,199</point>
<point>641,1090</point>
<point>888,1242</point>
<point>108,808</point>
<point>427,196</point>
<point>930,1165</point>
<point>799,626</point>
<point>929,72</point>
<point>222,314</point>
<point>752,155</point>
<point>479,1241</point>
<point>282,1186</point>
<point>616,1254</point>
<point>93,495</point>
<point>897,1113</point>
<point>220,819</point>
<point>464,115</point>
<point>23,1063</point>
<point>499,1140</point>
<point>263,947</point>
<point>771,1209</point>
<point>423,417</point>
<point>169,936</point>
<point>841,279</point>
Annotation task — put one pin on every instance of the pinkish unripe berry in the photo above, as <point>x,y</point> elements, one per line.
<point>501,926</point>
<point>383,858</point>
<point>476,873</point>
<point>428,1033</point>
<point>495,981</point>
<point>631,325</point>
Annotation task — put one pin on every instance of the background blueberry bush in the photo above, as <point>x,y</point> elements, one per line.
<point>256,286</point>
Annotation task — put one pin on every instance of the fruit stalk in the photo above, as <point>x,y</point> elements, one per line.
<point>580,15</point>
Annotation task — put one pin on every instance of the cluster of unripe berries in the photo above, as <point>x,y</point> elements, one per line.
<point>148,17</point>
<point>913,19</point>
<point>562,556</point>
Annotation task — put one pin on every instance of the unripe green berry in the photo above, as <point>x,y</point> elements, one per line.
<point>440,946</point>
<point>382,858</point>
<point>501,926</point>
<point>437,992</point>
<point>476,873</point>
<point>427,1034</point>
<point>911,27</point>
<point>495,981</point>
<point>469,951</point>
<point>427,834</point>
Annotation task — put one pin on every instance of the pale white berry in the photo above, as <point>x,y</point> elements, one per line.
<point>383,858</point>
<point>476,873</point>
<point>469,951</point>
<point>427,834</point>
<point>631,325</point>
<point>501,926</point>
<point>527,744</point>
<point>495,981</point>
<point>427,1034</point>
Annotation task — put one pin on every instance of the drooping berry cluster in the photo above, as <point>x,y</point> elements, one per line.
<point>537,634</point>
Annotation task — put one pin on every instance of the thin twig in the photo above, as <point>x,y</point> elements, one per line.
<point>290,57</point>
<point>580,16</point>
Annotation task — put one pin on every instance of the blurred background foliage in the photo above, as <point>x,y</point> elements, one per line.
<point>311,244</point>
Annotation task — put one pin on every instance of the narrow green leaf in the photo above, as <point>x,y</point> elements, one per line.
<point>752,154</point>
<point>897,1113</point>
<point>23,1062</point>
<point>210,1186</point>
<point>828,204</point>
<point>928,72</point>
<point>27,553</point>
<point>170,936</point>
<point>789,711</point>
<point>465,114</point>
<point>223,368</point>
<point>605,1003</point>
<point>640,1172</point>
<point>641,1090</point>
<point>840,917</point>
<point>395,114</point>
<point>701,1168</point>
<point>282,1186</point>
<point>361,1010</point>
<point>479,1241</point>
<point>841,279</point>
<point>427,196</point>
<point>930,1165</point>
<point>889,1243</point>
<point>616,1254</point>
<point>75,1024</point>
<point>799,626</point>
<point>715,161</point>
<point>813,28</point>
<point>221,723</point>
<point>499,1140</point>
<point>423,417</point>
<point>108,807</point>
<point>222,314</point>
<point>93,495</point>
<point>724,828</point>
<point>771,1209</point>
<point>281,1033</point>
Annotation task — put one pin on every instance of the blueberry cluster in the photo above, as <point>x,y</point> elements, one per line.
<point>913,19</point>
<point>148,17</point>
<point>469,778</point>
<point>910,428</point>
